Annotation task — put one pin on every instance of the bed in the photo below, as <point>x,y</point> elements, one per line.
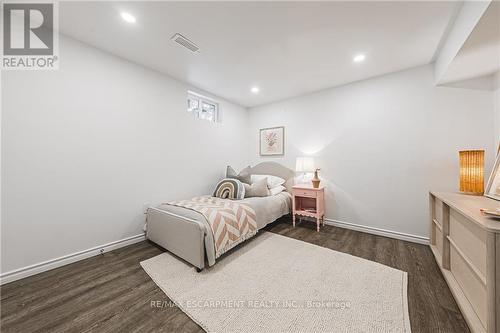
<point>186,233</point>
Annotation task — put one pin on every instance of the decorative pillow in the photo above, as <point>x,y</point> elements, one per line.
<point>272,181</point>
<point>277,190</point>
<point>257,189</point>
<point>243,176</point>
<point>230,189</point>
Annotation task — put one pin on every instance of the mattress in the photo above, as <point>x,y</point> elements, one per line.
<point>267,210</point>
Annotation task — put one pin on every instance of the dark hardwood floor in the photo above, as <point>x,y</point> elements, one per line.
<point>111,292</point>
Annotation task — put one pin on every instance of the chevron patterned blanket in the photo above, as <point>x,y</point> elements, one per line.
<point>231,222</point>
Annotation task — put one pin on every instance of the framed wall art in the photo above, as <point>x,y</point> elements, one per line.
<point>272,141</point>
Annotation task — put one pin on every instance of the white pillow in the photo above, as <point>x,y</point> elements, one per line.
<point>272,181</point>
<point>277,190</point>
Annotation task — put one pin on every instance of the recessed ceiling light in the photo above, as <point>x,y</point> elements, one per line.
<point>359,58</point>
<point>255,90</point>
<point>128,17</point>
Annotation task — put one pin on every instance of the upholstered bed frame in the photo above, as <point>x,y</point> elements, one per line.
<point>182,234</point>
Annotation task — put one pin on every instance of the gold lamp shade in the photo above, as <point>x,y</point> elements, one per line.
<point>472,171</point>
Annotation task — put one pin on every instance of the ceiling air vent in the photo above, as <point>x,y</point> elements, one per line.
<point>181,40</point>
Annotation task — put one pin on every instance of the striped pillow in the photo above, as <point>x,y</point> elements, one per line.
<point>230,188</point>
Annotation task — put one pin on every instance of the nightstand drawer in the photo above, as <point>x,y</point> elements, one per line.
<point>305,193</point>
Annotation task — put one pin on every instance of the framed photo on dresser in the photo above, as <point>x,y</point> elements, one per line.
<point>493,186</point>
<point>272,141</point>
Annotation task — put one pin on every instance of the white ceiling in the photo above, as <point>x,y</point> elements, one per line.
<point>480,54</point>
<point>285,48</point>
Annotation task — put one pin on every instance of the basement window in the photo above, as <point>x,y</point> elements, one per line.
<point>202,107</point>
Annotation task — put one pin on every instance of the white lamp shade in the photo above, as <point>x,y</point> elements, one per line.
<point>304,164</point>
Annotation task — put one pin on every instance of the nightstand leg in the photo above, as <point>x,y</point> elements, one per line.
<point>323,219</point>
<point>317,224</point>
<point>293,220</point>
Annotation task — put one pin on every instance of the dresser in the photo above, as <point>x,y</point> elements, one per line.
<point>309,201</point>
<point>466,246</point>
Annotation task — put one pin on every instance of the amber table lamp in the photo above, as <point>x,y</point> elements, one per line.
<point>472,172</point>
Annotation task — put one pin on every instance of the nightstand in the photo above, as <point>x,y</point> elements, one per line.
<point>309,201</point>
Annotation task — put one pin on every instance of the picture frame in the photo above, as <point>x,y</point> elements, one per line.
<point>272,141</point>
<point>493,186</point>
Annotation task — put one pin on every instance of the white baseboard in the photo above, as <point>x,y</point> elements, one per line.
<point>70,258</point>
<point>378,231</point>
<point>67,259</point>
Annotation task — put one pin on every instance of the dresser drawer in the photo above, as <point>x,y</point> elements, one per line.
<point>470,239</point>
<point>439,242</point>
<point>438,212</point>
<point>470,284</point>
<point>305,193</point>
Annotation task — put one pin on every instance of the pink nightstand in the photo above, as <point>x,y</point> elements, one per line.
<point>309,201</point>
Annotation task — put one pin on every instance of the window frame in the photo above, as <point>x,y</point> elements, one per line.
<point>191,95</point>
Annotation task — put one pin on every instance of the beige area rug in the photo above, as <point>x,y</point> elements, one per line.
<point>274,283</point>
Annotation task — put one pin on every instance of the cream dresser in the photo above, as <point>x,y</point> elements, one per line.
<point>466,245</point>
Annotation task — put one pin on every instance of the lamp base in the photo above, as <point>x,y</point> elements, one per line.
<point>315,181</point>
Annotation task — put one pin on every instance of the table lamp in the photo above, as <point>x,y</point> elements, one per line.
<point>472,172</point>
<point>306,165</point>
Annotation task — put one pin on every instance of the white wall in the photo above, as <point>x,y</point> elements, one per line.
<point>383,143</point>
<point>85,146</point>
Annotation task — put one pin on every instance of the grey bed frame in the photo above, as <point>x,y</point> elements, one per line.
<point>184,236</point>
